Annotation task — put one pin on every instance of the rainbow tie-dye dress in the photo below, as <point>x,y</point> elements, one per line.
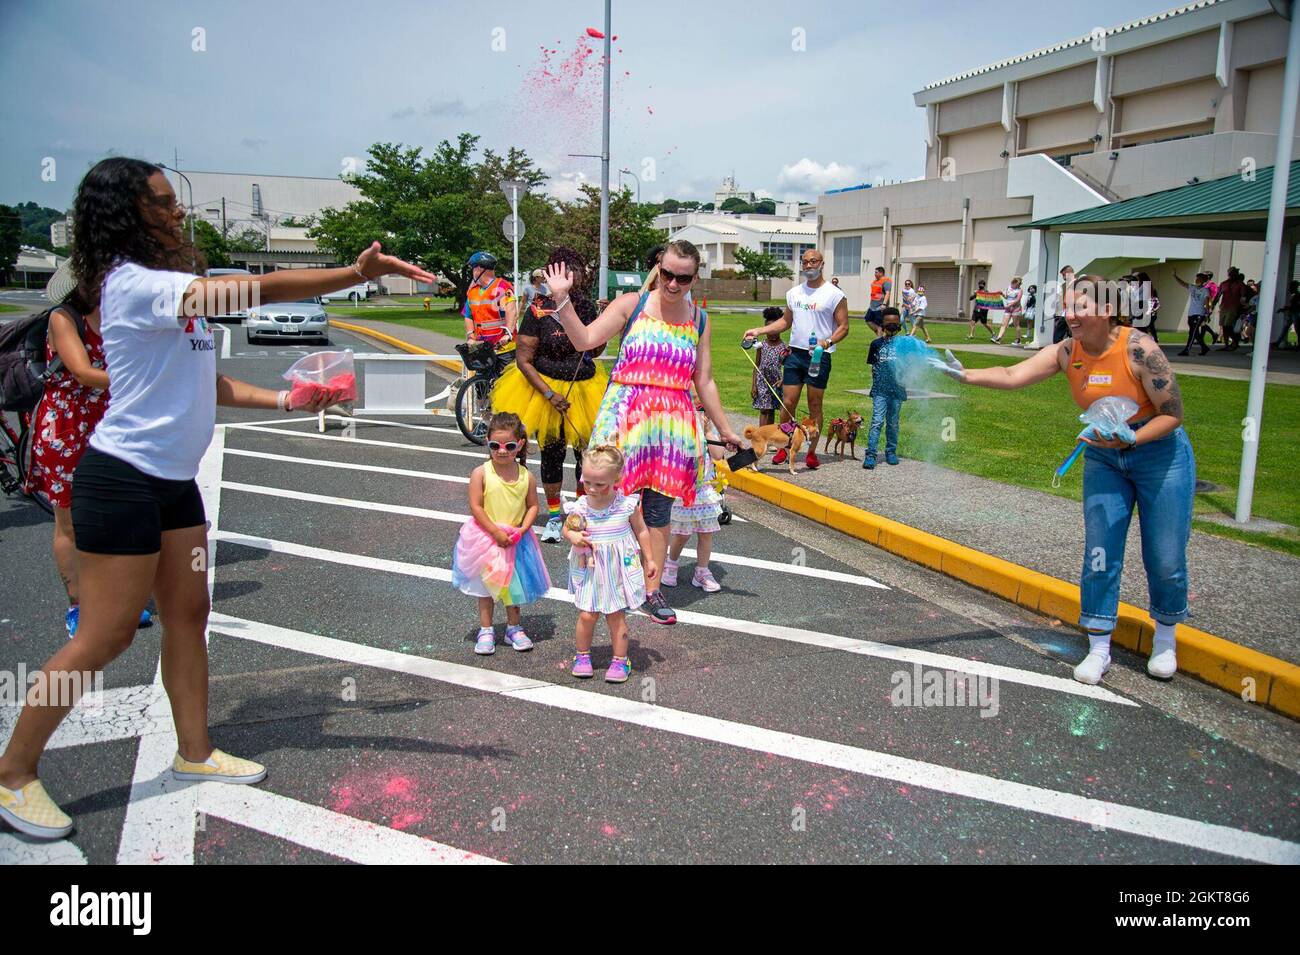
<point>648,413</point>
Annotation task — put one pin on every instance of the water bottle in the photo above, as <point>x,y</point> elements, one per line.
<point>815,363</point>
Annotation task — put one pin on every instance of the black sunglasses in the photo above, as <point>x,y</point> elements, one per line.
<point>510,446</point>
<point>671,277</point>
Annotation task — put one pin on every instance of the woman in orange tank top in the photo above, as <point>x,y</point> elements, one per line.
<point>1157,472</point>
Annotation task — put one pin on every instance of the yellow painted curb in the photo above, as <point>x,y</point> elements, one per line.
<point>395,342</point>
<point>1254,676</point>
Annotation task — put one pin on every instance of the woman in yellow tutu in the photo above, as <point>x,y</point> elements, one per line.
<point>555,390</point>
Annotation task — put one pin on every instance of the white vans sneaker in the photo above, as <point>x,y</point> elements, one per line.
<point>1163,664</point>
<point>1092,668</point>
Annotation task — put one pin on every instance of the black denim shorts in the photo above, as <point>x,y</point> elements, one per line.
<point>118,509</point>
<point>656,508</point>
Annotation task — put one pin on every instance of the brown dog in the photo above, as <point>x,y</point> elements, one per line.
<point>772,436</point>
<point>844,431</point>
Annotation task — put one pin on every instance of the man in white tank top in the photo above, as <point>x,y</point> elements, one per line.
<point>818,313</point>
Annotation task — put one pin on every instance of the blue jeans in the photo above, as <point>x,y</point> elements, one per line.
<point>1160,478</point>
<point>884,412</point>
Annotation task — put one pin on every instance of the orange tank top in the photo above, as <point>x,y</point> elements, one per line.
<point>1092,377</point>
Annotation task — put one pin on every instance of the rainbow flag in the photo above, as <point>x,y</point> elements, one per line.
<point>992,300</point>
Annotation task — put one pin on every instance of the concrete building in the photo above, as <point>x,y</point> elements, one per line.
<point>238,201</point>
<point>728,190</point>
<point>718,234</point>
<point>61,233</point>
<point>34,267</point>
<point>1190,94</point>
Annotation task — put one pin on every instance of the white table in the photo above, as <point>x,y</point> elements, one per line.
<point>396,385</point>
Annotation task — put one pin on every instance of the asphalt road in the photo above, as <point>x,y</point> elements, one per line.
<point>769,725</point>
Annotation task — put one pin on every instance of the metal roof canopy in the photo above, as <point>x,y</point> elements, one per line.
<point>1234,207</point>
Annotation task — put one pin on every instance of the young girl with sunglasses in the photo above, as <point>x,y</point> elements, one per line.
<point>497,555</point>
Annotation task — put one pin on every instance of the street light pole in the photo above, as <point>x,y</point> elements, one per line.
<point>193,258</point>
<point>635,178</point>
<point>604,169</point>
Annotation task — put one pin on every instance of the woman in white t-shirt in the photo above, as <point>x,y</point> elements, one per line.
<point>1012,309</point>
<point>919,305</point>
<point>137,513</point>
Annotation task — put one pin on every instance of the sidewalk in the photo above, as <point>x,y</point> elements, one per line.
<point>1245,594</point>
<point>1283,366</point>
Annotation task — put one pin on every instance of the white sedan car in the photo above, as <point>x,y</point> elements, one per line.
<point>287,320</point>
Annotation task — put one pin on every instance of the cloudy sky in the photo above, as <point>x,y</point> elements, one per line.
<point>792,98</point>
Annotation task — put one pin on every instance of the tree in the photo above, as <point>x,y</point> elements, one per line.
<point>438,210</point>
<point>631,232</point>
<point>760,265</point>
<point>209,241</point>
<point>736,204</point>
<point>247,240</point>
<point>707,207</point>
<point>690,205</point>
<point>765,207</point>
<point>11,230</point>
<point>36,222</point>
<point>671,205</point>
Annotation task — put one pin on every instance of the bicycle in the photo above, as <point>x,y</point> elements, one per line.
<point>473,401</point>
<point>16,459</point>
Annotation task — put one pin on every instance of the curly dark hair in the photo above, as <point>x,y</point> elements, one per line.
<point>576,262</point>
<point>109,211</point>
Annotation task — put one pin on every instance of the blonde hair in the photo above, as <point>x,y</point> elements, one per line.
<point>604,455</point>
<point>682,247</point>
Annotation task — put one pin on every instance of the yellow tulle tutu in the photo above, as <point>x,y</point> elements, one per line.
<point>512,392</point>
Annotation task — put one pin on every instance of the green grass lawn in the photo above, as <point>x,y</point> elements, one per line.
<point>4,307</point>
<point>750,303</point>
<point>1018,437</point>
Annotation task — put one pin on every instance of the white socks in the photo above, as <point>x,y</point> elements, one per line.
<point>1163,663</point>
<point>1099,644</point>
<point>1091,669</point>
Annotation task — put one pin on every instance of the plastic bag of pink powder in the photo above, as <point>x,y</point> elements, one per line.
<point>332,370</point>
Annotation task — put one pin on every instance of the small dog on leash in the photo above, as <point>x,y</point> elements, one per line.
<point>777,436</point>
<point>844,431</point>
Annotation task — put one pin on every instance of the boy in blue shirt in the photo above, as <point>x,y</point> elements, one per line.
<point>887,392</point>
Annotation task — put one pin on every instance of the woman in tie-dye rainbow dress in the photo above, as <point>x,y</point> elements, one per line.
<point>647,411</point>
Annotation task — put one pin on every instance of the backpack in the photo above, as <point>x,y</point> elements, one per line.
<point>23,369</point>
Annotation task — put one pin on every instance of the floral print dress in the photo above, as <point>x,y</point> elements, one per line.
<point>61,425</point>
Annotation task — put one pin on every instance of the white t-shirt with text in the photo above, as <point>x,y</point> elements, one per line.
<point>814,313</point>
<point>162,374</point>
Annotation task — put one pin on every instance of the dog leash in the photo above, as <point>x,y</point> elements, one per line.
<point>779,399</point>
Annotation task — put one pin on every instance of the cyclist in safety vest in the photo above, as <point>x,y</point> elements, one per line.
<point>490,311</point>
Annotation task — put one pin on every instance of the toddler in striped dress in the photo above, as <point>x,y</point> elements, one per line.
<point>610,560</point>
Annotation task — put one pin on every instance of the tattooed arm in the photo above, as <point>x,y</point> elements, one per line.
<point>1152,369</point>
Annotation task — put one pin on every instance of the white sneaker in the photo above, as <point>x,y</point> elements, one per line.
<point>1092,668</point>
<point>486,644</point>
<point>551,533</point>
<point>704,579</point>
<point>1163,665</point>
